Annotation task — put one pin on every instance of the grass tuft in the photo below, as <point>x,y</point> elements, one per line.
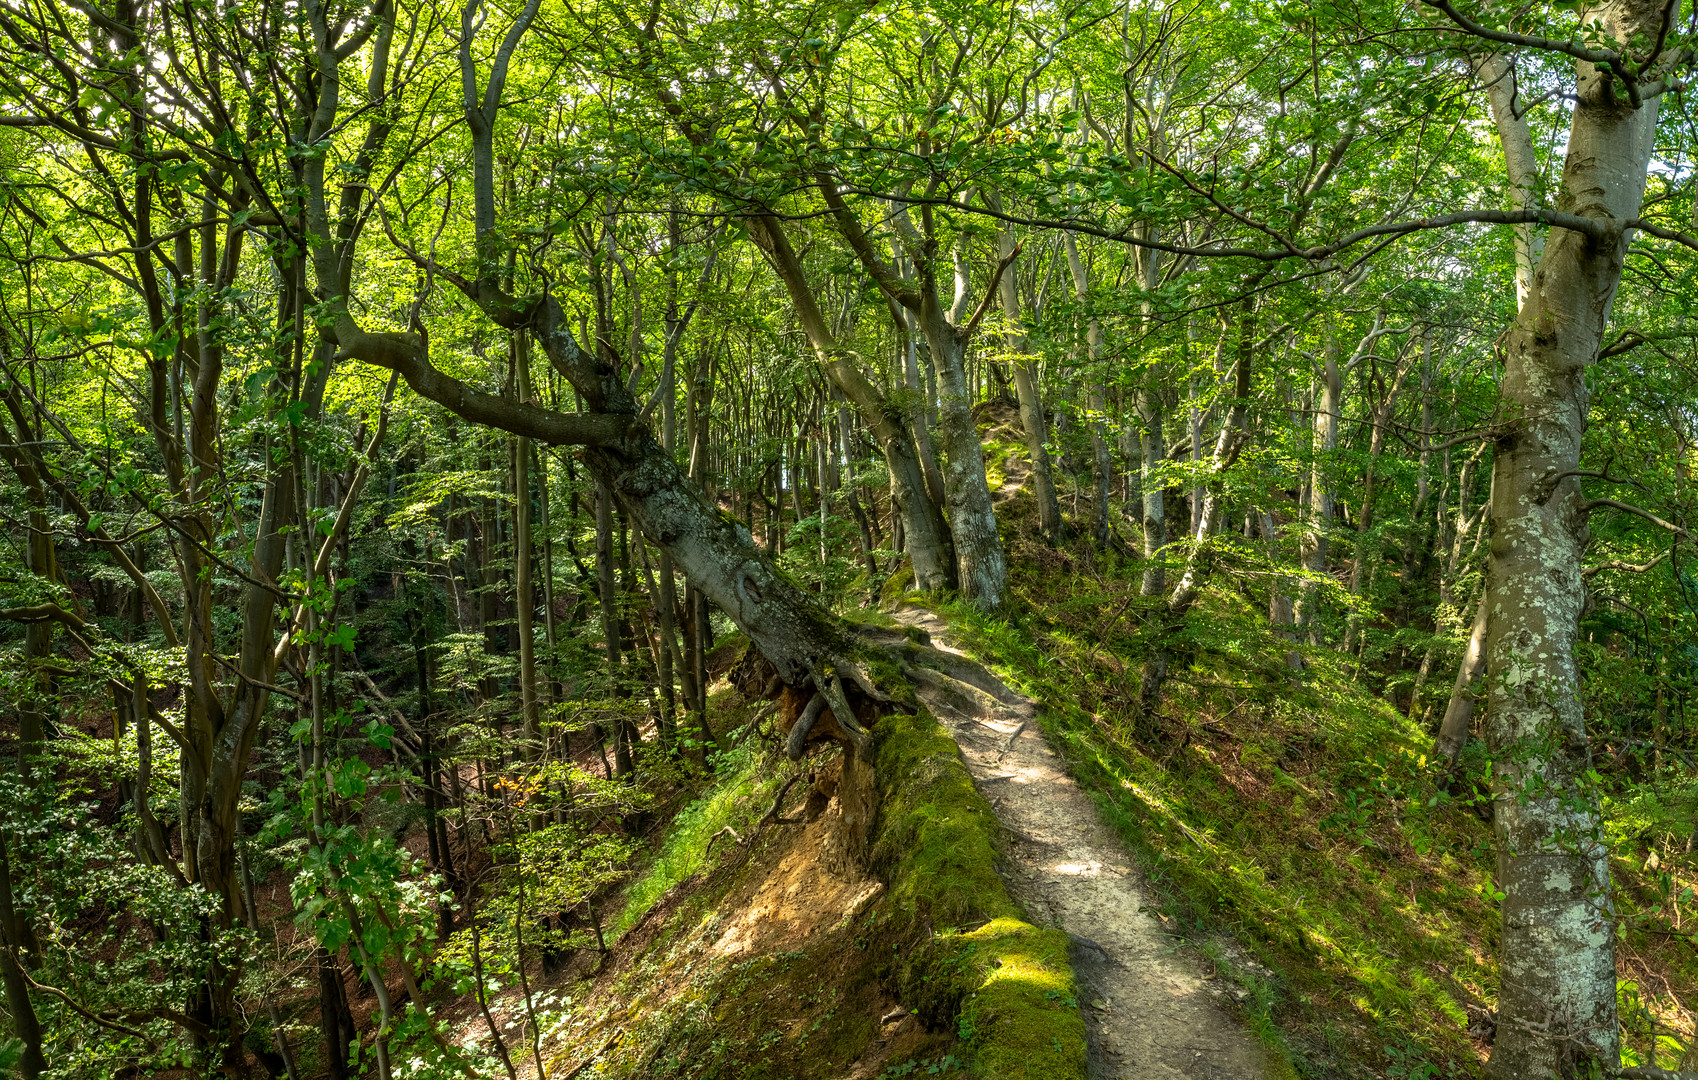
<point>742,781</point>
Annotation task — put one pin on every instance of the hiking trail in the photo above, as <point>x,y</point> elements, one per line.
<point>1150,1011</point>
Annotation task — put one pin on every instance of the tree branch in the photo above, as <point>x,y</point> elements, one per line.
<point>182,1020</point>
<point>404,353</point>
<point>990,291</point>
<point>1601,57</point>
<point>1616,564</point>
<point>43,612</point>
<point>1592,228</point>
<point>847,224</point>
<point>1593,504</point>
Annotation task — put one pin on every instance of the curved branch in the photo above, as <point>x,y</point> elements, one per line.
<point>1616,564</point>
<point>1601,57</point>
<point>1597,230</point>
<point>404,354</point>
<point>1593,504</point>
<point>44,612</point>
<point>990,291</point>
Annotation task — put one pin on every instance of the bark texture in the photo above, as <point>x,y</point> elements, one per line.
<point>1026,392</point>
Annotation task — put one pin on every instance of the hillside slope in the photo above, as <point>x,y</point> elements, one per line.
<point>1296,832</point>
<point>782,958</point>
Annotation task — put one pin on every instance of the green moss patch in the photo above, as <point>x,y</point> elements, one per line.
<point>992,995</point>
<point>897,585</point>
<point>1004,985</point>
<point>1008,991</point>
<point>934,844</point>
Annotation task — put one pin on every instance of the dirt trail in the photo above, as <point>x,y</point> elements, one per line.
<point>1149,1011</point>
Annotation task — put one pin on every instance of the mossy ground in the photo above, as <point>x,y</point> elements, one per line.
<point>1294,827</point>
<point>1003,982</point>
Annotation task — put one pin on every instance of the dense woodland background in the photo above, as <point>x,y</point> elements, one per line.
<point>411,411</point>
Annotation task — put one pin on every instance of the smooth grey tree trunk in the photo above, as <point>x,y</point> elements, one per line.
<point>1325,446</point>
<point>981,570</point>
<point>1101,463</point>
<point>1557,992</point>
<point>1026,393</point>
<point>1521,166</point>
<point>1152,447</point>
<point>1459,714</point>
<point>926,535</point>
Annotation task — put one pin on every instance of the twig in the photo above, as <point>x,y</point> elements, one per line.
<point>717,835</point>
<point>182,1020</point>
<point>771,816</point>
<point>1009,745</point>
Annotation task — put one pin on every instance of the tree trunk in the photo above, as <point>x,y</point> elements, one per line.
<point>1557,998</point>
<point>980,567</point>
<point>610,622</point>
<point>845,445</point>
<point>524,598</point>
<point>1026,392</point>
<point>1101,464</point>
<point>1281,615</point>
<point>18,1005</point>
<point>927,537</point>
<point>1367,546</point>
<point>1228,446</point>
<point>1153,453</point>
<point>1509,104</point>
<point>1459,715</point>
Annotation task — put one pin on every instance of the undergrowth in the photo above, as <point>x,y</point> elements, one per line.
<point>991,995</point>
<point>742,779</point>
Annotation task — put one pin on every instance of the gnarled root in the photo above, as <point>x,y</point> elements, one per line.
<point>798,741</point>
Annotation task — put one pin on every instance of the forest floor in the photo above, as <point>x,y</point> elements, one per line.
<point>1150,1009</point>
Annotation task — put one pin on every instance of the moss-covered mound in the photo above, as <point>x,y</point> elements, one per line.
<point>973,962</point>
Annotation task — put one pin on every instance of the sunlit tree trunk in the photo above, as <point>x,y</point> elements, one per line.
<point>1101,464</point>
<point>1557,995</point>
<point>927,537</point>
<point>1026,392</point>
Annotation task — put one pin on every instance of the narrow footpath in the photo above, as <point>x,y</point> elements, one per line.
<point>1150,1012</point>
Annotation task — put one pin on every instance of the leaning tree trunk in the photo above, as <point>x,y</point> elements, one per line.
<point>1026,391</point>
<point>1459,714</point>
<point>926,534</point>
<point>981,567</point>
<point>1557,996</point>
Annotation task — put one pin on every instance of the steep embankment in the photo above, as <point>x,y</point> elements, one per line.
<point>784,959</point>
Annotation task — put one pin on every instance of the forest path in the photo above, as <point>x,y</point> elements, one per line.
<point>1149,1011</point>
